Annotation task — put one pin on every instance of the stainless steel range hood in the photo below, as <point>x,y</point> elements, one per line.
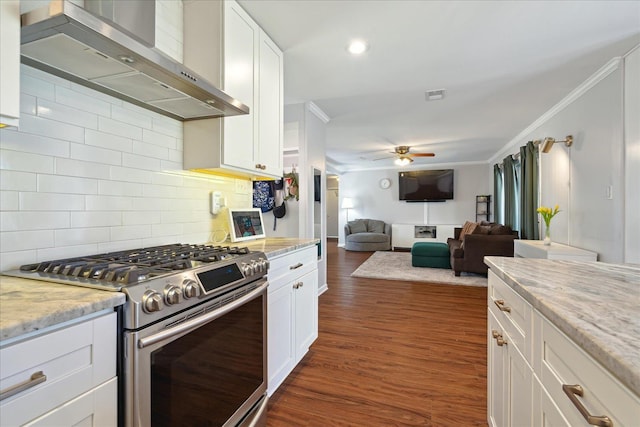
<point>69,41</point>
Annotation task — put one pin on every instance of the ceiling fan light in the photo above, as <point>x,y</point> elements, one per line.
<point>403,161</point>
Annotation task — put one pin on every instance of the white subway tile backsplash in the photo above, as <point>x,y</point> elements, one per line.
<point>157,138</point>
<point>69,189</point>
<point>25,162</point>
<point>64,114</point>
<point>17,181</point>
<point>51,128</point>
<point>130,175</point>
<point>51,202</point>
<point>107,140</point>
<point>168,127</point>
<point>141,217</point>
<point>153,191</point>
<point>140,162</point>
<point>26,70</point>
<point>95,154</point>
<point>158,230</point>
<point>9,200</point>
<point>119,128</point>
<point>13,260</point>
<point>81,236</point>
<point>81,168</point>
<point>150,150</point>
<point>20,221</point>
<point>61,252</point>
<point>66,184</point>
<point>28,104</point>
<point>128,232</point>
<point>96,219</point>
<point>30,85</point>
<point>90,103</point>
<point>11,241</point>
<point>129,116</point>
<point>119,188</point>
<point>36,144</point>
<point>109,203</point>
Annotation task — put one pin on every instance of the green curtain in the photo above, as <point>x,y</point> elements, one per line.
<point>510,193</point>
<point>497,194</point>
<point>529,194</point>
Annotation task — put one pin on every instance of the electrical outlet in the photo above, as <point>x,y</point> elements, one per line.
<point>243,186</point>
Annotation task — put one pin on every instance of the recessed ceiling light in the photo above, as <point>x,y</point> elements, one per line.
<point>358,47</point>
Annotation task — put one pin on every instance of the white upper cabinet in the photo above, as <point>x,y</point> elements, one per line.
<point>224,45</point>
<point>9,62</point>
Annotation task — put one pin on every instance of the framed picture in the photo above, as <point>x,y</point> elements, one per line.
<point>246,224</point>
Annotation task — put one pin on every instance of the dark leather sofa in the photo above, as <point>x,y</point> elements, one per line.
<point>488,239</point>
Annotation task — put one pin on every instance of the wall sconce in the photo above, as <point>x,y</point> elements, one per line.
<point>548,143</point>
<point>403,161</point>
<point>347,203</point>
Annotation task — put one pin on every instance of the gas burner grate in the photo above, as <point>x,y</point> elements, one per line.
<point>137,265</point>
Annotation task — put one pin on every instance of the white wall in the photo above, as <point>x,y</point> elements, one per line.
<point>632,156</point>
<point>87,173</point>
<point>371,201</point>
<point>332,196</point>
<point>580,178</point>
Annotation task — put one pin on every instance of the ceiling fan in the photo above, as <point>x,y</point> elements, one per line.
<point>404,157</point>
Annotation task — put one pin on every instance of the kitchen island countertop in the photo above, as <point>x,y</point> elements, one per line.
<point>275,246</point>
<point>595,304</point>
<point>30,305</point>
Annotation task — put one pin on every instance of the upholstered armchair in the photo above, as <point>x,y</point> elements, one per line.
<point>367,235</point>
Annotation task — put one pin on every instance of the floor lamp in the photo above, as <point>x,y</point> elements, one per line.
<point>347,203</point>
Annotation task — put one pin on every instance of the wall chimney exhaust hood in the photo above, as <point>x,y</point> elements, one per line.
<point>104,54</point>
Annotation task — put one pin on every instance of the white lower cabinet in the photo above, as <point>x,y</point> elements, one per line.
<point>292,312</point>
<point>62,376</point>
<point>532,367</point>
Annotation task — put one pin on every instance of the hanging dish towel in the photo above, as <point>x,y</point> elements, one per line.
<point>263,195</point>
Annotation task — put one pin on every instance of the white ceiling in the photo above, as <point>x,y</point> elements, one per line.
<point>502,63</point>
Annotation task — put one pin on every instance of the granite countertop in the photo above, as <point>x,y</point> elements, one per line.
<point>596,304</point>
<point>30,305</point>
<point>275,246</point>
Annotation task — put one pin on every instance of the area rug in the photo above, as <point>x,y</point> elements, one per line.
<point>397,266</point>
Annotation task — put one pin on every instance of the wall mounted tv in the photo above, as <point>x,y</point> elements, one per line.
<point>426,185</point>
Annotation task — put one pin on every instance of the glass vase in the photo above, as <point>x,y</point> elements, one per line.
<point>547,235</point>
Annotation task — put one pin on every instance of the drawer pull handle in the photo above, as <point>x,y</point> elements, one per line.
<point>36,378</point>
<point>298,265</point>
<point>572,391</point>
<point>498,336</point>
<point>501,306</point>
<point>298,285</point>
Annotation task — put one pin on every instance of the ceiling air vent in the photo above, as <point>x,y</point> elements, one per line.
<point>434,95</point>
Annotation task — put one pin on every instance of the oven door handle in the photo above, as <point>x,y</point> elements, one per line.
<point>200,320</point>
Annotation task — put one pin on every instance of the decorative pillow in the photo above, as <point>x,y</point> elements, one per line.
<point>375,226</point>
<point>500,229</point>
<point>357,226</point>
<point>482,229</point>
<point>468,228</point>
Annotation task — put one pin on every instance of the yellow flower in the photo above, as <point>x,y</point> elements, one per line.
<point>548,213</point>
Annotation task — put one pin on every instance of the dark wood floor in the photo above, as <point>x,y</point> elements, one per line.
<point>389,354</point>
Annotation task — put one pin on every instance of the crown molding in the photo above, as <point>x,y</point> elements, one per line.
<point>317,111</point>
<point>583,88</point>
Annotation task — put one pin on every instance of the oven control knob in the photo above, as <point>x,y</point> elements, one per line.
<point>264,264</point>
<point>247,269</point>
<point>151,301</point>
<point>189,289</point>
<point>172,294</point>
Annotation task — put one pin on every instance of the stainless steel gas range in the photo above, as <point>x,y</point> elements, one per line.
<point>193,336</point>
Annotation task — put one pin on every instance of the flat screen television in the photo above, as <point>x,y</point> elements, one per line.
<point>426,185</point>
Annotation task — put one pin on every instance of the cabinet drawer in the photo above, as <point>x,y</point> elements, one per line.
<point>295,263</point>
<point>513,312</point>
<point>560,361</point>
<point>74,360</point>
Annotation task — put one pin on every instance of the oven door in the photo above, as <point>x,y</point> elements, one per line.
<point>203,367</point>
